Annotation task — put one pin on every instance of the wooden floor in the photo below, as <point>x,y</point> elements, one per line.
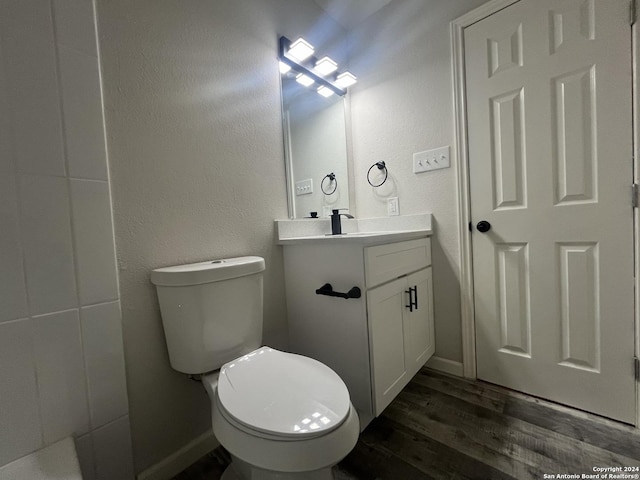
<point>443,427</point>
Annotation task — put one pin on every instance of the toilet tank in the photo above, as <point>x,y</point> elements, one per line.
<point>211,311</point>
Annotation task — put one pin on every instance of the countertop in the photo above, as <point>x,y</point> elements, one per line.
<point>367,231</point>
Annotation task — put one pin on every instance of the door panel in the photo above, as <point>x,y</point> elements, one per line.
<point>573,130</point>
<point>514,315</point>
<point>580,313</point>
<point>508,156</point>
<point>548,86</point>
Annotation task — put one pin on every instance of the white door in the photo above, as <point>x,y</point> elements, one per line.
<point>550,162</point>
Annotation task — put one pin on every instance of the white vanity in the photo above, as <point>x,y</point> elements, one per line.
<point>376,342</point>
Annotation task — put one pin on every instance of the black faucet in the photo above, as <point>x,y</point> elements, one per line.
<point>336,225</point>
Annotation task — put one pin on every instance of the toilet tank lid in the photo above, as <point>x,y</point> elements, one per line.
<point>207,272</point>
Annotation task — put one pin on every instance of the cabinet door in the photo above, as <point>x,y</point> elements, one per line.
<point>386,305</point>
<point>418,325</point>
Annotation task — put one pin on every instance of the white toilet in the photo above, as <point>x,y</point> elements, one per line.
<point>280,415</point>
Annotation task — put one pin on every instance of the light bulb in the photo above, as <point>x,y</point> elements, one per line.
<point>304,80</point>
<point>345,80</point>
<point>301,49</point>
<point>284,68</point>
<point>325,91</point>
<point>325,66</point>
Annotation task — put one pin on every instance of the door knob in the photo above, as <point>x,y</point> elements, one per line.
<point>483,226</point>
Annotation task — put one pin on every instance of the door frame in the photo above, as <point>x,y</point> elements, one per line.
<point>463,183</point>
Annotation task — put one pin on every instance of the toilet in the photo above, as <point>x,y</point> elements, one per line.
<point>280,415</point>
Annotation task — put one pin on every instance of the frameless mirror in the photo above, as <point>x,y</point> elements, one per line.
<point>315,141</point>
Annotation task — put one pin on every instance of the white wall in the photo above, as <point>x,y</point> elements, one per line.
<point>403,103</point>
<point>61,356</point>
<point>192,102</point>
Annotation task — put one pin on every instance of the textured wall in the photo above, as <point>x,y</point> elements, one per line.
<point>61,357</point>
<point>403,103</point>
<point>192,102</point>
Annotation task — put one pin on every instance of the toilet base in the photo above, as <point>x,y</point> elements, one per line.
<point>239,470</point>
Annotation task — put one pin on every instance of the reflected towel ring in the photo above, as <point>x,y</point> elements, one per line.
<point>332,178</point>
<point>381,166</point>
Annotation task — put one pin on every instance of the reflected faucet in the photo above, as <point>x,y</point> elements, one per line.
<point>336,224</point>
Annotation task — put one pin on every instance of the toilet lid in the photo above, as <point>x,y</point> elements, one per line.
<point>283,394</point>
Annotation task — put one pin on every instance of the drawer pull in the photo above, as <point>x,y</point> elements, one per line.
<point>413,298</point>
<point>327,289</point>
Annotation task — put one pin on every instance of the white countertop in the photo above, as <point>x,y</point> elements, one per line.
<point>366,231</point>
<point>365,238</point>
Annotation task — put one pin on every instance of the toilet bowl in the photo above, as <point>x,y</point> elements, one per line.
<point>280,415</point>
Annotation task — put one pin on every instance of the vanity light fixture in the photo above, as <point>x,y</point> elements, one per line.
<point>301,49</point>
<point>309,69</point>
<point>302,79</point>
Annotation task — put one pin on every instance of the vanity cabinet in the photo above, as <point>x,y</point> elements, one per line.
<point>377,342</point>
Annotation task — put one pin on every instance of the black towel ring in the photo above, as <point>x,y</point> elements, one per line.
<point>381,166</point>
<point>332,178</point>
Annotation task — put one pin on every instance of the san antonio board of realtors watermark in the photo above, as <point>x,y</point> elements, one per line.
<point>599,473</point>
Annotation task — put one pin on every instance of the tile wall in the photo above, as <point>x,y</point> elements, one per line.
<point>61,356</point>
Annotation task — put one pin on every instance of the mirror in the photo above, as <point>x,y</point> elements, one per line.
<point>315,141</point>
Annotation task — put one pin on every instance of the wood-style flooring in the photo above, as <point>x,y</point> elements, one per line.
<point>443,427</point>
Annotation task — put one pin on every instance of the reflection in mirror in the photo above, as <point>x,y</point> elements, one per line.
<point>315,146</point>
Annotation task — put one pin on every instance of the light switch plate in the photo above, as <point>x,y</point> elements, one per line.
<point>304,187</point>
<point>431,160</point>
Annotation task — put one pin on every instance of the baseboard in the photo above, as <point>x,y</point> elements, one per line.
<point>180,459</point>
<point>445,365</point>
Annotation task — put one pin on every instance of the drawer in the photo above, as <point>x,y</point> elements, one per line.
<point>386,262</point>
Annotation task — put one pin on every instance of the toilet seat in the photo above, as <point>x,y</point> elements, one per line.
<point>278,454</point>
<point>282,395</point>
